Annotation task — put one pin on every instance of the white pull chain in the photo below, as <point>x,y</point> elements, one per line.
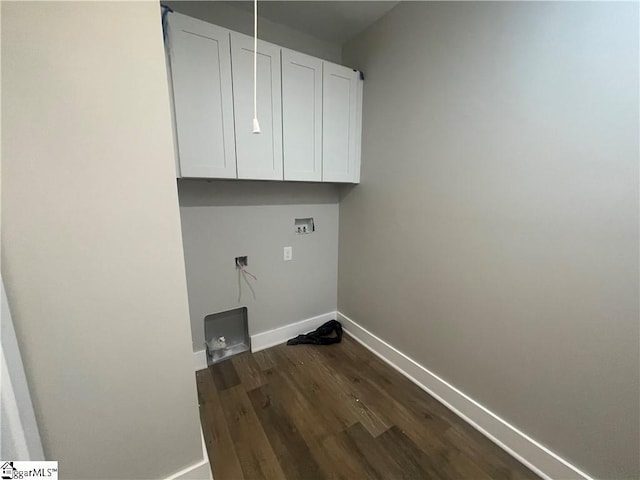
<point>256,125</point>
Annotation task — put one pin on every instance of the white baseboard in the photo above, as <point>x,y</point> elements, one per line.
<point>271,338</point>
<point>280,335</point>
<point>530,452</point>
<point>201,470</point>
<point>198,471</point>
<point>200,360</point>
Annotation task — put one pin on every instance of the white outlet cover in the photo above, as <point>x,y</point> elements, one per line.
<point>288,253</point>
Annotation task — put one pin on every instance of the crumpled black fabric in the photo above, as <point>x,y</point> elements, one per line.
<point>320,336</point>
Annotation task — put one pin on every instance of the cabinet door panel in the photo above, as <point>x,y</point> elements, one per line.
<point>259,155</point>
<point>301,116</point>
<point>201,77</point>
<point>339,125</point>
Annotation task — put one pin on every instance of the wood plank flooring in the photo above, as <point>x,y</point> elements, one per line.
<point>335,412</point>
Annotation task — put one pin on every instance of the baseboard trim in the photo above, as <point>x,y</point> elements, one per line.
<point>200,360</point>
<point>530,452</point>
<point>188,472</point>
<point>280,335</point>
<point>271,338</point>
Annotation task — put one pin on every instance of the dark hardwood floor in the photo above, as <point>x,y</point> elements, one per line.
<point>313,412</point>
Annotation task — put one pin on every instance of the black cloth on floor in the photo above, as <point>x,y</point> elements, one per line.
<point>320,336</point>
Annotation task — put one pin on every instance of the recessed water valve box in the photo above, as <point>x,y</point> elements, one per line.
<point>226,334</point>
<point>304,225</point>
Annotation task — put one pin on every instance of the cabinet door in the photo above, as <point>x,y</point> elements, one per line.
<point>301,116</point>
<point>259,155</point>
<point>201,72</point>
<point>340,101</point>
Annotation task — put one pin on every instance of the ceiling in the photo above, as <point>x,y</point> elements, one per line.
<point>333,21</point>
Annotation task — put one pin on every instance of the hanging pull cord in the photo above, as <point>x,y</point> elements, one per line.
<point>256,125</point>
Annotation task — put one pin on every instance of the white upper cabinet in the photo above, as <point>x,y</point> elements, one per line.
<point>259,155</point>
<point>341,98</point>
<point>310,110</point>
<point>302,116</point>
<point>201,76</point>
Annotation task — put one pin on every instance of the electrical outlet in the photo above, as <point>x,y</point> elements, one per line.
<point>241,262</point>
<point>288,253</point>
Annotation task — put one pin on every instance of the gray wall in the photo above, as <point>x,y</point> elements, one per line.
<point>91,245</point>
<point>494,237</point>
<point>239,20</point>
<point>222,220</point>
